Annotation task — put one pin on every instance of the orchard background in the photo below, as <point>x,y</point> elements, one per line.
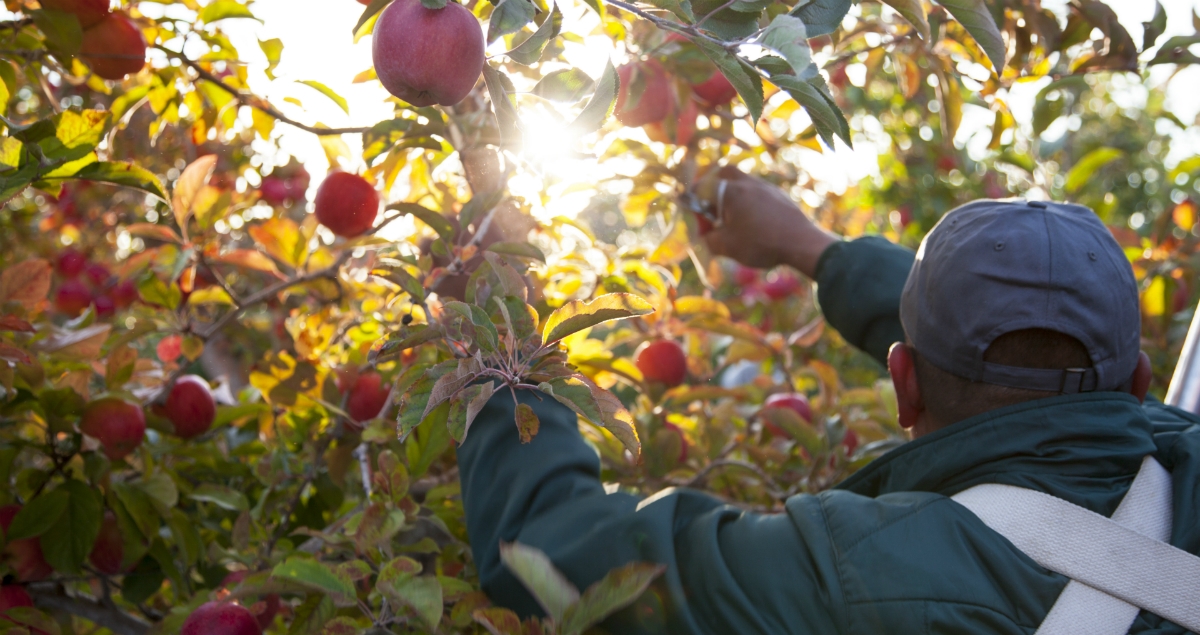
<point>227,379</point>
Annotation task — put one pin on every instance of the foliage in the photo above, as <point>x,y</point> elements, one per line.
<point>148,231</point>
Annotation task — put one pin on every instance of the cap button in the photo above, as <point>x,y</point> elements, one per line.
<point>1037,204</point>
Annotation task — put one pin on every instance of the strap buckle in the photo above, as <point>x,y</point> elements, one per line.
<point>1072,381</point>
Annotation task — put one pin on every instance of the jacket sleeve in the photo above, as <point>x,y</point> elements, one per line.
<point>728,571</point>
<point>859,283</point>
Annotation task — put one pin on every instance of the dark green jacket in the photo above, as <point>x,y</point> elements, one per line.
<point>886,552</point>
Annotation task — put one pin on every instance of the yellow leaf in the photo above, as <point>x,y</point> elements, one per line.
<point>1184,215</point>
<point>1154,298</point>
<point>189,183</point>
<point>209,295</point>
<point>281,238</point>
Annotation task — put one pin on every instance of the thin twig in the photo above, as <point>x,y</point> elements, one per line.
<point>255,101</point>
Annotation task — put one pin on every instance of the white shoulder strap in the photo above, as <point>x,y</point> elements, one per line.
<point>1116,565</point>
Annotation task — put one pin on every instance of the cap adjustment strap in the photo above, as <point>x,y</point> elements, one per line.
<point>1067,381</point>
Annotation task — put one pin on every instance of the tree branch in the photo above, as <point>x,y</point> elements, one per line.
<point>254,101</point>
<point>110,617</point>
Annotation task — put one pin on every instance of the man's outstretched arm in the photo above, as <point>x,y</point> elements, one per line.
<point>859,282</point>
<point>727,571</point>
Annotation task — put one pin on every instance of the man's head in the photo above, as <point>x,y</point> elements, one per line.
<point>1011,301</point>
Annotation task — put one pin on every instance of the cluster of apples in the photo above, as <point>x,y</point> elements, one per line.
<point>112,45</point>
<point>776,285</point>
<point>120,426</point>
<point>83,283</point>
<point>657,107</point>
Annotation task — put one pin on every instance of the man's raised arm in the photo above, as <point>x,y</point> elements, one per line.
<point>859,282</point>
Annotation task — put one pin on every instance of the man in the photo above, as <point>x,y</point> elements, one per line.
<point>1017,364</point>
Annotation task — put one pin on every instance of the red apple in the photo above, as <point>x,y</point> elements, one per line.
<point>745,276</point>
<point>653,100</point>
<point>715,91</point>
<point>850,441</point>
<point>794,401</point>
<point>221,618</point>
<point>685,126</point>
<point>428,56</point>
<point>114,47</point>
<point>190,406</point>
<point>263,611</point>
<point>780,286</point>
<point>683,444</point>
<point>274,190</point>
<point>70,263</point>
<point>663,361</point>
<point>109,549</point>
<point>105,306</point>
<point>13,596</point>
<point>124,294</point>
<point>72,297</point>
<point>119,425</point>
<point>24,555</point>
<point>367,397</point>
<point>97,274</point>
<point>347,203</point>
<point>89,12</point>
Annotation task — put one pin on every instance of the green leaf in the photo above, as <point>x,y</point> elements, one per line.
<point>408,337</point>
<point>743,77</point>
<point>530,51</point>
<point>154,291</point>
<point>518,249</point>
<point>565,85</point>
<point>434,4</point>
<point>273,49</point>
<point>416,397</point>
<point>735,22</point>
<point>372,9</point>
<point>613,592</point>
<point>224,9</point>
<point>509,17</point>
<point>36,621</point>
<point>522,317</point>
<point>122,173</point>
<point>545,583</point>
<point>682,10</point>
<point>61,29</point>
<point>221,496</point>
<point>485,332</point>
<point>506,111</point>
<point>914,12</point>
<point>786,36</point>
<point>328,92</point>
<point>1087,166</point>
<point>974,16</point>
<point>527,422</point>
<point>400,584</point>
<point>449,384</point>
<point>465,408</point>
<point>139,510</point>
<point>821,16</point>
<point>1155,27</point>
<point>824,115</point>
<point>312,615</point>
<point>576,394</point>
<point>75,134</point>
<point>36,517</point>
<point>601,104</point>
<point>577,315</point>
<point>312,575</point>
<point>436,222</point>
<point>67,543</point>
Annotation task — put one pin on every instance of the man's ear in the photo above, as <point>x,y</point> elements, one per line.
<point>1140,384</point>
<point>902,366</point>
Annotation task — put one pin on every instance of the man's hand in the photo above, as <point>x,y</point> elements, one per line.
<point>761,226</point>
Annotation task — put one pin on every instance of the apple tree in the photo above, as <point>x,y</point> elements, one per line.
<point>230,389</point>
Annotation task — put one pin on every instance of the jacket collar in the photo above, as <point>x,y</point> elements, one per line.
<point>1084,448</point>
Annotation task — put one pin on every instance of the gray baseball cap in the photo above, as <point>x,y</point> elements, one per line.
<point>991,267</point>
